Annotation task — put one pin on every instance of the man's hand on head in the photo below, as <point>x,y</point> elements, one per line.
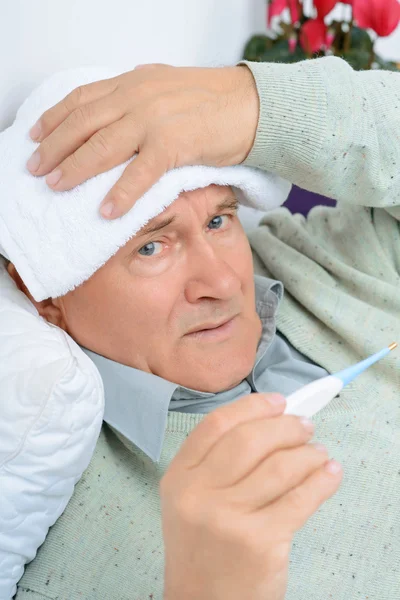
<point>169,116</point>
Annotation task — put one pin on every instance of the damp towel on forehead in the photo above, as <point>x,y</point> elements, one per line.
<point>57,240</point>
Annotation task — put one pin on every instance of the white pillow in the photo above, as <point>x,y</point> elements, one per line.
<point>51,412</point>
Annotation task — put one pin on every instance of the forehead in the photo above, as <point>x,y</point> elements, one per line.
<point>211,198</point>
<point>212,195</point>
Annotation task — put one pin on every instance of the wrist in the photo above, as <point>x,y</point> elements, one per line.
<point>241,106</point>
<point>248,106</point>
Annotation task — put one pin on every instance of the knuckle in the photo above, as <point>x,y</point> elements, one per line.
<point>141,168</point>
<point>73,163</point>
<point>81,116</point>
<point>216,421</point>
<point>296,499</point>
<point>188,506</point>
<point>256,400</point>
<point>243,438</point>
<point>120,194</point>
<point>99,145</point>
<point>75,98</point>
<point>45,120</point>
<point>280,467</point>
<point>78,119</point>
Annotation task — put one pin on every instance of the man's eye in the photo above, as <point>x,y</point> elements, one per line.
<point>216,222</point>
<point>150,249</point>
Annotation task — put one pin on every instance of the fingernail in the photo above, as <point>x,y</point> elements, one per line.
<point>107,209</point>
<point>319,447</point>
<point>307,424</point>
<point>36,131</point>
<point>54,177</point>
<point>277,399</point>
<point>34,162</point>
<point>333,467</point>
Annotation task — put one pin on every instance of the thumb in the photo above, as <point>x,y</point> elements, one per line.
<point>139,176</point>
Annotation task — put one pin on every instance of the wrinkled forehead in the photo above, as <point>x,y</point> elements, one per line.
<point>212,198</point>
<point>207,195</point>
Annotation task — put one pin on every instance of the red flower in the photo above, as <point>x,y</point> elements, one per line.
<point>278,6</point>
<point>382,16</point>
<point>313,35</point>
<point>324,7</point>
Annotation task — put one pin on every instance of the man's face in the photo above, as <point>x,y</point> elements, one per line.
<point>159,302</point>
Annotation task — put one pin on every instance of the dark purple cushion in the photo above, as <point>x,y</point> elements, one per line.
<point>301,201</point>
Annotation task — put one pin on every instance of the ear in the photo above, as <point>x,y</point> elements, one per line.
<point>48,309</point>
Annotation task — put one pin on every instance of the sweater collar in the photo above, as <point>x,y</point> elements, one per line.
<point>137,403</point>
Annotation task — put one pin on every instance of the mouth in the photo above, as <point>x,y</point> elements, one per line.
<point>213,332</point>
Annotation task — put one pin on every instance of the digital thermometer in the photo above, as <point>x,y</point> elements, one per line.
<point>311,398</point>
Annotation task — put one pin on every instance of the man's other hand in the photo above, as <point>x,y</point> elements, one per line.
<point>243,482</point>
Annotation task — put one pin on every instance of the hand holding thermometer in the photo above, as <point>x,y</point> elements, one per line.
<point>311,398</point>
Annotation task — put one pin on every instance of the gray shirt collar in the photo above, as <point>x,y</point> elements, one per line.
<point>137,403</point>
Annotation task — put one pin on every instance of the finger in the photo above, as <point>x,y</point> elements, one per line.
<point>277,475</point>
<point>139,176</point>
<point>78,127</point>
<point>106,148</point>
<point>224,418</point>
<point>295,508</point>
<point>81,95</point>
<point>251,443</point>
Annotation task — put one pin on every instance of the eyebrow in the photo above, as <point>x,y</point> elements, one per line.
<point>156,224</point>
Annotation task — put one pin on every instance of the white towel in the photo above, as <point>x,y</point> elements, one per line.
<point>57,240</point>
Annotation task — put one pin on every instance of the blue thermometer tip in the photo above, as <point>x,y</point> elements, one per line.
<point>351,373</point>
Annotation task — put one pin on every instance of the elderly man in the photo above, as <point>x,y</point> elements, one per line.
<point>176,319</point>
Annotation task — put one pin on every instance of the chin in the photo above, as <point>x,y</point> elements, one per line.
<point>224,384</point>
<point>223,376</point>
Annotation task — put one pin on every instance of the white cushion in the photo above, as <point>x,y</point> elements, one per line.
<point>51,411</point>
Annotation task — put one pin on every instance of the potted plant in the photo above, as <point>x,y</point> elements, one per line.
<point>301,29</point>
<point>298,30</point>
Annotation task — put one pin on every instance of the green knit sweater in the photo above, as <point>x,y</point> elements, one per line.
<point>337,132</point>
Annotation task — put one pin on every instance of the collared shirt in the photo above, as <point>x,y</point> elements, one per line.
<point>137,403</point>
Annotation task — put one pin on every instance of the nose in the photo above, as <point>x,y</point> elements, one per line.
<point>210,274</point>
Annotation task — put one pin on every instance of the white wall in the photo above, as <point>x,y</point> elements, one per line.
<point>42,36</point>
<point>389,47</point>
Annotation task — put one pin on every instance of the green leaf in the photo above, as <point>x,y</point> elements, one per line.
<point>261,48</point>
<point>386,65</point>
<point>358,59</point>
<point>276,51</point>
<point>256,46</point>
<point>361,39</point>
